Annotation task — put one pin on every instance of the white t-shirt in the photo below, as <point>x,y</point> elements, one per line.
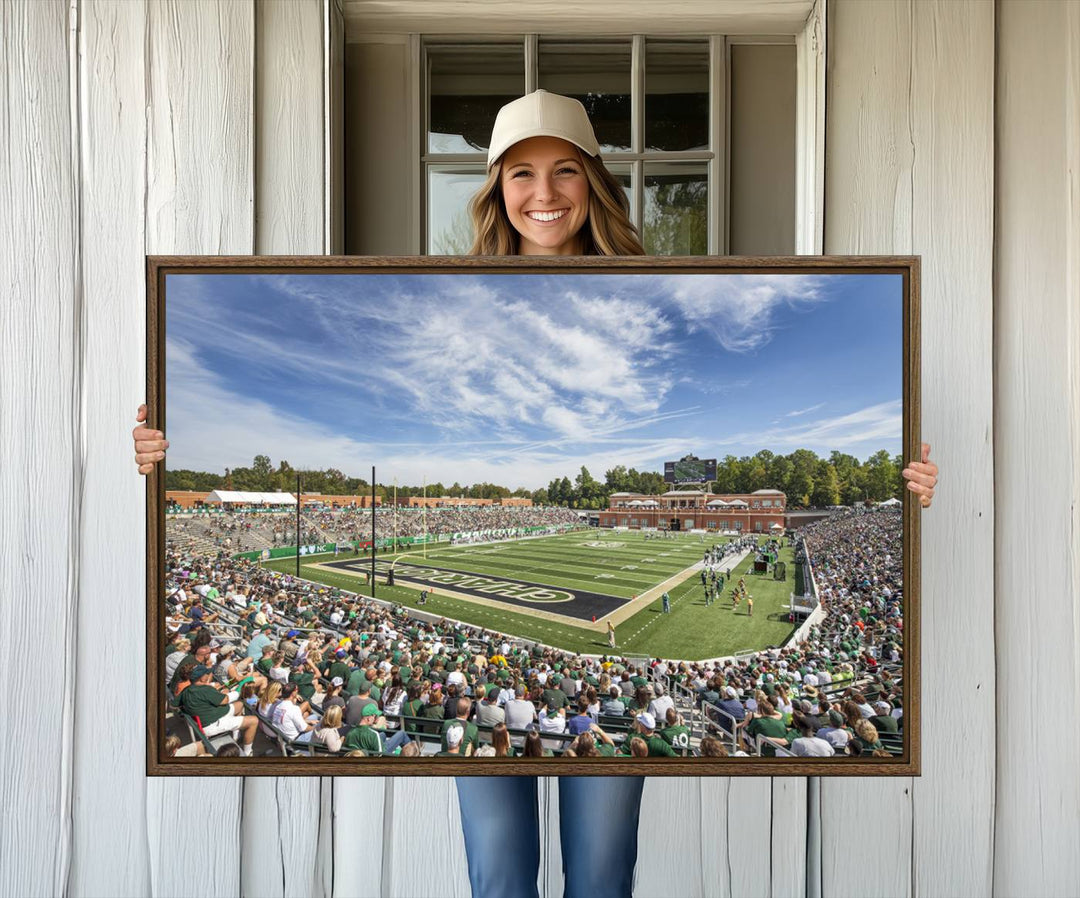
<point>812,747</point>
<point>287,718</point>
<point>556,723</point>
<point>658,708</point>
<point>837,737</point>
<point>519,714</point>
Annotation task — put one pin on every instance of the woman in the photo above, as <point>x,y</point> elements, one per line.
<point>547,193</point>
<point>500,741</point>
<point>394,697</point>
<point>326,733</point>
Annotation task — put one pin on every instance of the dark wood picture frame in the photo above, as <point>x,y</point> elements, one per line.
<point>158,267</point>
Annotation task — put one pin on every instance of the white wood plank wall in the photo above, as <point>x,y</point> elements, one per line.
<point>1037,448</point>
<point>953,131</point>
<point>909,153</point>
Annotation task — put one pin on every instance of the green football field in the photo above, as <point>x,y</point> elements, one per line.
<point>614,563</point>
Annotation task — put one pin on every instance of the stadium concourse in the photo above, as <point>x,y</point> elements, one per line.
<point>326,671</point>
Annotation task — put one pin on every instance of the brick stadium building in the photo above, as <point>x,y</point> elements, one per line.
<point>761,511</point>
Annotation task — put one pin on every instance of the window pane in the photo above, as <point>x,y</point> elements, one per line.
<point>466,87</point>
<point>676,95</point>
<point>676,209</point>
<point>449,191</point>
<point>597,74</point>
<point>624,176</point>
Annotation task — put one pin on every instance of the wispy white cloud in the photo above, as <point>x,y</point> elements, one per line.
<point>881,423</point>
<point>464,352</point>
<point>803,411</point>
<point>210,428</point>
<point>740,310</point>
<point>517,381</point>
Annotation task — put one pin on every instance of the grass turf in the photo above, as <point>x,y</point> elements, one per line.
<point>616,563</point>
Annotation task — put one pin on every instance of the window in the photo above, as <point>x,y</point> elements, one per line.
<point>658,106</point>
<point>738,525</point>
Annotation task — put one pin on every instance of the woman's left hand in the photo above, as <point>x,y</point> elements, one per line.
<point>922,477</point>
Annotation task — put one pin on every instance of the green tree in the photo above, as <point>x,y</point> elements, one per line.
<point>617,480</point>
<point>882,476</point>
<point>801,483</point>
<point>727,475</point>
<point>261,469</point>
<point>566,492</point>
<point>826,486</point>
<point>586,487</point>
<point>757,474</point>
<point>780,469</point>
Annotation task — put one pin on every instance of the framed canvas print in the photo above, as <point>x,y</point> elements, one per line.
<point>563,516</point>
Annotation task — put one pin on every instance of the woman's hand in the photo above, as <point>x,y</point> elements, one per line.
<point>150,445</point>
<point>922,477</point>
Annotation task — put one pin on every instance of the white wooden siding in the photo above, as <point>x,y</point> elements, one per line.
<point>1037,449</point>
<point>909,147</point>
<point>180,127</point>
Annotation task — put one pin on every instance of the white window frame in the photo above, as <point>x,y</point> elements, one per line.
<point>810,125</point>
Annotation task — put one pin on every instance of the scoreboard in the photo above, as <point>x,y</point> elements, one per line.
<point>690,470</point>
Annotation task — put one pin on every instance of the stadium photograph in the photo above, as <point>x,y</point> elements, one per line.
<point>534,515</point>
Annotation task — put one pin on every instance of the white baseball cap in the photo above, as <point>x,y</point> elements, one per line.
<point>541,114</point>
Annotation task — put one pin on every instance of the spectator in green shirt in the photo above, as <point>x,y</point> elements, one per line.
<point>768,722</point>
<point>454,742</point>
<point>646,727</point>
<point>366,737</point>
<point>676,733</point>
<point>472,734</point>
<point>216,711</point>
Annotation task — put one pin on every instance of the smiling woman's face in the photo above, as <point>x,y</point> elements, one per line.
<point>546,195</point>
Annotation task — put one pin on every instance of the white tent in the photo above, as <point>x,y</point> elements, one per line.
<point>891,502</point>
<point>237,497</point>
<point>718,503</point>
<point>776,527</point>
<point>739,502</point>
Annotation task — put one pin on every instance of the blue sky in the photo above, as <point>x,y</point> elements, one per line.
<point>516,379</point>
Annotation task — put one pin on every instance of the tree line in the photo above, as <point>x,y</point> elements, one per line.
<point>803,477</point>
<point>263,477</point>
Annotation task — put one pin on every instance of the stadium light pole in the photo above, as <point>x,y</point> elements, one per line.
<point>373,547</point>
<point>298,504</point>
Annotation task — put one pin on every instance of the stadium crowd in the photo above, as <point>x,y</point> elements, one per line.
<point>264,529</point>
<point>310,668</point>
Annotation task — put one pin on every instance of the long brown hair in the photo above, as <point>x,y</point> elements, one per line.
<point>500,740</point>
<point>607,230</point>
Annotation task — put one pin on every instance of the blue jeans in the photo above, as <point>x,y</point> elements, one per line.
<point>598,823</point>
